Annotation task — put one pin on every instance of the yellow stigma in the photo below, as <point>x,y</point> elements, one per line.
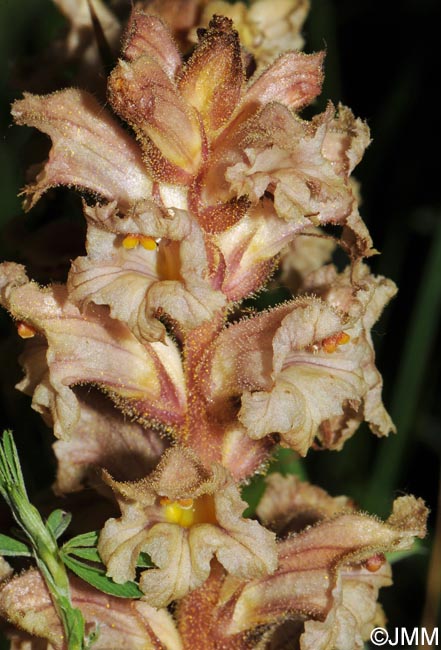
<point>188,512</point>
<point>132,241</point>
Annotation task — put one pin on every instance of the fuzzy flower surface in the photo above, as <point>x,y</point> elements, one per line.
<point>202,185</point>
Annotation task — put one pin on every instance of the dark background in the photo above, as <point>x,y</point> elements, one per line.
<point>382,61</point>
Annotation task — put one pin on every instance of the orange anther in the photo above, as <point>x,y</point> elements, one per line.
<point>185,503</point>
<point>130,241</point>
<point>331,343</point>
<point>375,562</point>
<point>343,338</point>
<point>164,501</point>
<point>147,242</point>
<point>25,331</point>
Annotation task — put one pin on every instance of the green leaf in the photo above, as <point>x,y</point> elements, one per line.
<point>90,554</point>
<point>98,579</point>
<point>58,521</point>
<point>12,547</point>
<point>83,540</point>
<point>144,561</point>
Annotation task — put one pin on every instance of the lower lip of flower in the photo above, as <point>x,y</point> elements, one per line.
<point>188,512</point>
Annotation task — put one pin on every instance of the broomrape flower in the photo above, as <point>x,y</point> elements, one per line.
<point>219,182</point>
<point>322,596</point>
<point>182,516</point>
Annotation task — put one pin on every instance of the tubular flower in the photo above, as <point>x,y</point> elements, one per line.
<point>322,595</point>
<point>306,368</point>
<point>215,184</point>
<point>182,516</point>
<point>89,347</point>
<point>161,268</point>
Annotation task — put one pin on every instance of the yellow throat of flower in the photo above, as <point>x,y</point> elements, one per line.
<point>188,512</point>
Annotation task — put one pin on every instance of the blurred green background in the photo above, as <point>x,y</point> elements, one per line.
<point>382,62</point>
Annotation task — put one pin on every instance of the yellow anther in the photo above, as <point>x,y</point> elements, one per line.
<point>148,243</point>
<point>130,241</point>
<point>25,331</point>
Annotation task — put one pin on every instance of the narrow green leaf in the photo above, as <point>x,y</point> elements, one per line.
<point>98,579</point>
<point>90,554</point>
<point>58,521</point>
<point>83,540</point>
<point>12,547</point>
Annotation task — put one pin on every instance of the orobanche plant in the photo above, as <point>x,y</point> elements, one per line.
<point>167,392</point>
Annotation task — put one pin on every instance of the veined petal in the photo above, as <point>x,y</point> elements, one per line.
<point>364,296</point>
<point>148,35</point>
<point>90,347</point>
<point>311,561</point>
<point>169,132</point>
<point>111,275</point>
<point>249,249</point>
<point>122,624</point>
<point>309,385</point>
<point>89,149</point>
<point>171,277</point>
<point>212,79</point>
<point>294,80</point>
